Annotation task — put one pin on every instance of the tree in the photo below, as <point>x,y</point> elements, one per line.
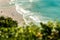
<point>7,22</point>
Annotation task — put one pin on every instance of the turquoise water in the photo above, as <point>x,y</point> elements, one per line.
<point>46,8</point>
<point>50,9</point>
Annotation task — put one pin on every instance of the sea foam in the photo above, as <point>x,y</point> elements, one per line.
<point>28,15</point>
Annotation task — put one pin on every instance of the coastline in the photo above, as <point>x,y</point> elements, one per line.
<point>11,12</point>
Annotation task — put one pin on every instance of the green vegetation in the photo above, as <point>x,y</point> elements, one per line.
<point>48,31</point>
<point>7,22</point>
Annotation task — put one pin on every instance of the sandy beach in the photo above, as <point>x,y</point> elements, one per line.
<point>10,12</point>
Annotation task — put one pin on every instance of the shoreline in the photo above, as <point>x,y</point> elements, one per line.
<point>11,12</point>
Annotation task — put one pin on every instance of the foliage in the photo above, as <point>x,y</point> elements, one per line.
<point>47,31</point>
<point>7,22</point>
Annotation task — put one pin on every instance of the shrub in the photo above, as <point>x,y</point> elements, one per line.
<point>49,31</point>
<point>7,22</point>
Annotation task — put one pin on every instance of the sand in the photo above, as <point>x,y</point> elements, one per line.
<point>11,12</point>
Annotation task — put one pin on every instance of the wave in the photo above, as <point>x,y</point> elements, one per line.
<point>27,15</point>
<point>22,7</point>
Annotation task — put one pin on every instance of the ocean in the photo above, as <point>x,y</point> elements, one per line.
<point>47,9</point>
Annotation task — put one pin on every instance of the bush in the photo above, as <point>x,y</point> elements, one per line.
<point>7,22</point>
<point>49,31</point>
<point>21,33</point>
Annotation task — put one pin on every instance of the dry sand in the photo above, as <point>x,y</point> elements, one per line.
<point>11,12</point>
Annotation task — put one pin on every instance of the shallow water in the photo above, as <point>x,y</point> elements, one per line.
<point>50,9</point>
<point>46,8</point>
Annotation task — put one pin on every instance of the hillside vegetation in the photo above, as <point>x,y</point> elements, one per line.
<point>9,30</point>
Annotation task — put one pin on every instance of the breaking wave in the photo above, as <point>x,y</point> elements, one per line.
<point>37,10</point>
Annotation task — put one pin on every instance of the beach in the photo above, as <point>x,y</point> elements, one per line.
<point>43,10</point>
<point>10,12</point>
